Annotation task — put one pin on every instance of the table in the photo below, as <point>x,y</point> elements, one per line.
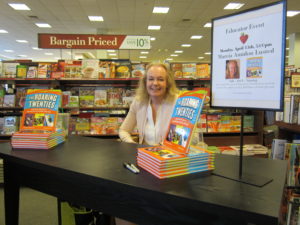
<point>90,172</point>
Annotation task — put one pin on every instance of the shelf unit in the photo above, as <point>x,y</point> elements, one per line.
<point>287,130</point>
<point>218,139</point>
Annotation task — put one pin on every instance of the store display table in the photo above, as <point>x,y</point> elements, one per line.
<point>89,172</point>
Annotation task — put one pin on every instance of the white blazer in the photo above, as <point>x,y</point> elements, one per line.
<point>137,117</point>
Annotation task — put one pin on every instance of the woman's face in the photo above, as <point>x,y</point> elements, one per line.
<point>232,68</point>
<point>156,82</point>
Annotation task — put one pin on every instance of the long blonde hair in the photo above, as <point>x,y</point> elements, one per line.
<point>171,91</point>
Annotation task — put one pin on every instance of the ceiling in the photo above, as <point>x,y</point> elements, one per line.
<point>132,17</point>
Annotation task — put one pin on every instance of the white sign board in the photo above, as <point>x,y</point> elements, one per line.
<point>136,42</point>
<point>248,58</point>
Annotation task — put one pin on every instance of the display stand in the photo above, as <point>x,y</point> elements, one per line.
<point>247,178</point>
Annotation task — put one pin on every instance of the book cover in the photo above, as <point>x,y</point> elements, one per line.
<point>20,97</point>
<point>74,101</point>
<point>32,72</point>
<point>40,110</point>
<point>138,70</point>
<point>254,67</point>
<point>278,149</point>
<point>123,69</point>
<point>44,70</point>
<point>21,71</point>
<point>100,97</point>
<point>72,69</point>
<point>176,69</point>
<point>57,69</point>
<point>203,71</point>
<point>2,94</point>
<point>90,69</point>
<point>189,70</point>
<point>10,70</point>
<point>86,97</point>
<point>9,101</point>
<point>184,119</point>
<point>11,124</point>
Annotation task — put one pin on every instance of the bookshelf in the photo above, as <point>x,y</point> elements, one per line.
<point>218,138</point>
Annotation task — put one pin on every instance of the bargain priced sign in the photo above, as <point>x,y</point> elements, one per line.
<point>92,41</point>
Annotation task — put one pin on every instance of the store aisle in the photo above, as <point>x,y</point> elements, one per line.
<point>36,208</point>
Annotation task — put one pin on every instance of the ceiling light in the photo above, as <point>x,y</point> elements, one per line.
<point>22,56</point>
<point>174,55</point>
<point>57,58</point>
<point>8,50</point>
<point>48,53</point>
<point>178,51</point>
<point>96,18</point>
<point>287,38</point>
<point>111,50</point>
<point>144,52</point>
<point>152,39</point>
<point>287,56</point>
<point>287,49</point>
<point>169,59</point>
<point>43,25</point>
<point>207,25</point>
<point>143,57</point>
<point>160,9</point>
<point>153,27</point>
<point>196,37</point>
<point>292,13</point>
<point>3,31</point>
<point>233,5</point>
<point>114,58</point>
<point>22,41</point>
<point>207,53</point>
<point>186,45</point>
<point>112,54</point>
<point>19,6</point>
<point>36,48</point>
<point>200,57</point>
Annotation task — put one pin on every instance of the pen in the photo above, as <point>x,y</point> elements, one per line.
<point>134,167</point>
<point>127,166</point>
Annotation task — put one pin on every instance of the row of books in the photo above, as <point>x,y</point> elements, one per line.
<point>94,69</point>
<point>190,70</point>
<point>211,123</point>
<point>248,150</point>
<point>95,125</point>
<point>291,110</point>
<point>82,97</point>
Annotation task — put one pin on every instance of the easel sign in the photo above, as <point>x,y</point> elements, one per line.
<point>248,58</point>
<point>248,53</point>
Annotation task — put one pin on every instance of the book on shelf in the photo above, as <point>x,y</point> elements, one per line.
<point>90,69</point>
<point>100,97</point>
<point>66,98</point>
<point>20,96</point>
<point>1,125</point>
<point>11,124</point>
<point>9,101</point>
<point>189,70</point>
<point>32,72</point>
<point>72,69</point>
<point>86,97</point>
<point>176,69</point>
<point>138,70</point>
<point>114,96</point>
<point>123,69</point>
<point>73,101</point>
<point>57,69</point>
<point>104,69</point>
<point>203,71</point>
<point>177,156</point>
<point>2,94</point>
<point>44,70</point>
<point>21,71</point>
<point>278,149</point>
<point>10,69</point>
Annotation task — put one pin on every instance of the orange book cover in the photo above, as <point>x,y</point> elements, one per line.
<point>40,110</point>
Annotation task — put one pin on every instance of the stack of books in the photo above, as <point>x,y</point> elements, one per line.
<point>165,163</point>
<point>37,139</point>
<point>179,154</point>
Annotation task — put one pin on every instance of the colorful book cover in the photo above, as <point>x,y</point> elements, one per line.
<point>10,70</point>
<point>100,97</point>
<point>9,101</point>
<point>11,124</point>
<point>72,69</point>
<point>123,69</point>
<point>184,119</point>
<point>254,67</point>
<point>138,70</point>
<point>86,97</point>
<point>40,110</point>
<point>22,71</point>
<point>44,70</point>
<point>2,94</point>
<point>189,70</point>
<point>176,69</point>
<point>203,71</point>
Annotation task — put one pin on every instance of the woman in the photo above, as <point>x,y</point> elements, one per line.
<point>152,107</point>
<point>232,69</point>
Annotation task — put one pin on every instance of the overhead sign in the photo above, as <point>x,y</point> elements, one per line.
<point>92,41</point>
